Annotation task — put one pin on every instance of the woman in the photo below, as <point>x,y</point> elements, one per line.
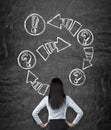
<point>57,103</point>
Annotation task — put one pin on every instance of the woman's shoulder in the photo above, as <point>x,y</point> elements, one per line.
<point>67,97</point>
<point>46,97</point>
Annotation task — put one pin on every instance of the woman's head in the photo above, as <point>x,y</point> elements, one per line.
<point>56,93</point>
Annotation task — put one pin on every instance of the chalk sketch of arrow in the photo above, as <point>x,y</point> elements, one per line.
<point>61,44</point>
<point>46,50</point>
<point>41,88</point>
<point>31,78</point>
<point>56,21</point>
<point>86,64</point>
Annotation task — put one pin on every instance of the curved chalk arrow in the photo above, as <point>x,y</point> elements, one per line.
<point>56,21</point>
<point>61,44</point>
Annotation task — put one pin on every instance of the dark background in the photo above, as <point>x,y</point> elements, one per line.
<point>18,99</point>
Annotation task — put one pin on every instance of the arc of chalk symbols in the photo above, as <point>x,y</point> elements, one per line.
<point>47,50</point>
<point>41,88</point>
<point>89,52</point>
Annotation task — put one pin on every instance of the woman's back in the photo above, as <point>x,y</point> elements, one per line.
<point>57,103</point>
<point>59,113</point>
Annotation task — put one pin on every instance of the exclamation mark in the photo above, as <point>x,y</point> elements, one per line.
<point>35,21</point>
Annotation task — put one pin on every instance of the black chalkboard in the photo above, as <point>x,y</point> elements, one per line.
<point>43,39</point>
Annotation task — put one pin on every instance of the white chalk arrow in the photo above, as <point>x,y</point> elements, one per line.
<point>31,78</point>
<point>86,64</point>
<point>56,21</point>
<point>61,44</point>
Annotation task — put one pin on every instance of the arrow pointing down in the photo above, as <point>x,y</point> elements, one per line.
<point>86,64</point>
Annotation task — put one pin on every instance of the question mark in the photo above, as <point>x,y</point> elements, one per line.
<point>78,76</point>
<point>86,35</point>
<point>27,60</point>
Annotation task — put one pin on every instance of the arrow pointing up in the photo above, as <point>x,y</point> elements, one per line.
<point>61,44</point>
<point>56,21</point>
<point>31,78</point>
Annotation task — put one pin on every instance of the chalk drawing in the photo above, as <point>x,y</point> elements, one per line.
<point>77,77</point>
<point>26,60</point>
<point>37,86</point>
<point>45,50</point>
<point>50,46</point>
<point>34,24</point>
<point>86,64</point>
<point>85,37</point>
<point>67,23</point>
<point>75,27</point>
<point>43,89</point>
<point>42,51</point>
<point>61,44</point>
<point>89,52</point>
<point>31,78</point>
<point>56,21</point>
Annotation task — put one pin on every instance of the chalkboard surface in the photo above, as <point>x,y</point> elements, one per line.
<point>43,39</point>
